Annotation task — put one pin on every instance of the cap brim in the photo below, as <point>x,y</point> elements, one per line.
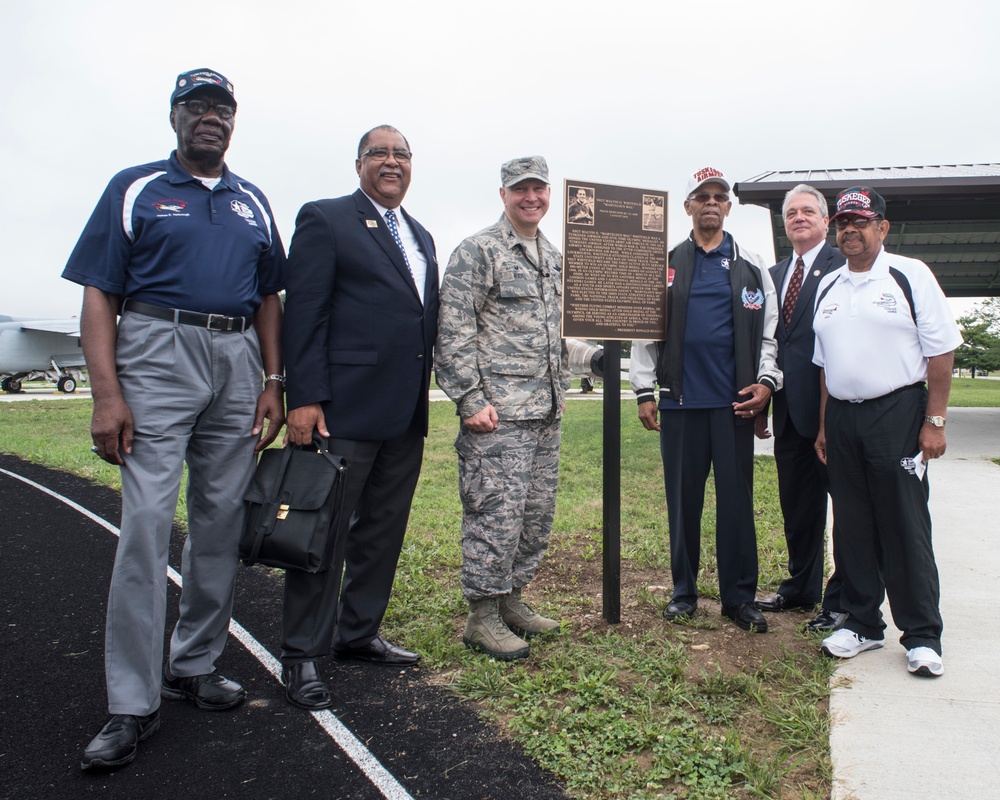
<point>531,176</point>
<point>720,181</point>
<point>211,87</point>
<point>855,212</point>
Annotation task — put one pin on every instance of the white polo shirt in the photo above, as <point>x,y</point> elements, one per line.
<point>866,340</point>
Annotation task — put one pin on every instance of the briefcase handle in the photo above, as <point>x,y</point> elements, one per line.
<point>323,448</point>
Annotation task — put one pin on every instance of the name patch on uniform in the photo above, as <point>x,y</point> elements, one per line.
<point>754,300</point>
<point>371,223</point>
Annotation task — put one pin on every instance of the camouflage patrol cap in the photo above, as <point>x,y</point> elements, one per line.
<point>521,169</point>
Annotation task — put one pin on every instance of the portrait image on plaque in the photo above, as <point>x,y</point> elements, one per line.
<point>580,205</point>
<point>652,212</point>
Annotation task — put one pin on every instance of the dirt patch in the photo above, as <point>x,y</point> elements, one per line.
<point>570,578</point>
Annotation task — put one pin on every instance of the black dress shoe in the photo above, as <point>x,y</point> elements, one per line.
<point>781,603</point>
<point>746,616</point>
<point>826,620</point>
<point>118,741</point>
<point>305,687</point>
<point>212,692</point>
<point>679,608</point>
<point>379,651</point>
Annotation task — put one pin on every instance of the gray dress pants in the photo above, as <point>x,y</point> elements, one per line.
<point>193,394</point>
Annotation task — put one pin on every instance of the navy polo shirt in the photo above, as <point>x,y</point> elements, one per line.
<point>709,374</point>
<point>160,236</point>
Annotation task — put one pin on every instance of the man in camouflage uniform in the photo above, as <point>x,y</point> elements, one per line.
<point>499,356</point>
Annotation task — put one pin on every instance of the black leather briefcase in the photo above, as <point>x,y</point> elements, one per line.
<point>295,509</point>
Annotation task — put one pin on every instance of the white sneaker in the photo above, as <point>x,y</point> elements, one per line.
<point>843,643</point>
<point>924,662</point>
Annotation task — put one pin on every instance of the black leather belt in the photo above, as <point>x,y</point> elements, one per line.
<point>213,322</point>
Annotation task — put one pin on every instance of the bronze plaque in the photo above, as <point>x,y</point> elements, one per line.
<point>614,262</point>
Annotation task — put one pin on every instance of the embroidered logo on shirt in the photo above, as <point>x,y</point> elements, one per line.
<point>243,210</point>
<point>725,263</point>
<point>886,301</point>
<point>829,310</point>
<point>171,207</point>
<point>753,300</point>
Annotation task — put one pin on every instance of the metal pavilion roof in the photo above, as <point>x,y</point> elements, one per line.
<point>945,215</point>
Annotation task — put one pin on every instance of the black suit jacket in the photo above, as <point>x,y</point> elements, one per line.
<point>356,337</point>
<point>799,397</point>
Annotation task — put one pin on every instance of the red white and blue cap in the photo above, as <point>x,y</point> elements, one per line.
<point>188,82</point>
<point>859,201</point>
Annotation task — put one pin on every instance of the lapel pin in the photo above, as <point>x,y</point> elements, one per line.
<point>816,272</point>
<point>371,223</point>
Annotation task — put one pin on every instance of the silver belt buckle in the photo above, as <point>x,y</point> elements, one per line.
<point>219,322</point>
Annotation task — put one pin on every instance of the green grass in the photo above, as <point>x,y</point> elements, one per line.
<point>978,393</point>
<point>629,711</point>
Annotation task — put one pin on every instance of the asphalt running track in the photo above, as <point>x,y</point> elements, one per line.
<point>399,737</point>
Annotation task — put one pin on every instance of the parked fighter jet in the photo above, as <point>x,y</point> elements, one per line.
<point>40,349</point>
<point>586,359</point>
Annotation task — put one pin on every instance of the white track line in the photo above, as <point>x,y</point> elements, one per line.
<point>383,780</point>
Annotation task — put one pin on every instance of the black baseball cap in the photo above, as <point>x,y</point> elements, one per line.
<point>860,202</point>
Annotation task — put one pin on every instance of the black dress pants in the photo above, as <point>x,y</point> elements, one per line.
<point>691,442</point>
<point>802,490</point>
<point>882,523</point>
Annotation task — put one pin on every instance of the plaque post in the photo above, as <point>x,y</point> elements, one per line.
<point>612,528</point>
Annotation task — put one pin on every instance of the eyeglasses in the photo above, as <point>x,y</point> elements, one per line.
<point>382,153</point>
<point>704,197</point>
<point>200,107</point>
<point>857,222</point>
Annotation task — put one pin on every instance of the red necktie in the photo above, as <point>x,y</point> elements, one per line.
<point>792,293</point>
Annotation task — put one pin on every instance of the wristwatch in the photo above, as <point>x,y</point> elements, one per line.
<point>937,422</point>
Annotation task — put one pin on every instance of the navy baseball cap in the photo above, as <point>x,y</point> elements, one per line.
<point>861,202</point>
<point>187,82</point>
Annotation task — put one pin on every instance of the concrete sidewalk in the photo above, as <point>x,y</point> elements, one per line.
<point>895,736</point>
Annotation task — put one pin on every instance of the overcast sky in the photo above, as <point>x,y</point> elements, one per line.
<point>619,92</point>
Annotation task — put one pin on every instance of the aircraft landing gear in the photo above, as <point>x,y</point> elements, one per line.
<point>11,385</point>
<point>66,384</point>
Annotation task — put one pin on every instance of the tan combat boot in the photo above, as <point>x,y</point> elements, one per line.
<point>522,619</point>
<point>485,631</point>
